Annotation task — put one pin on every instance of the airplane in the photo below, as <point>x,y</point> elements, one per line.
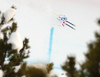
<point>64,21</point>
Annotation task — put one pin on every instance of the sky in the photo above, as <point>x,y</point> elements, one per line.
<point>35,19</point>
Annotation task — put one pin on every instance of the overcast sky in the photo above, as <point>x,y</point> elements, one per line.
<point>35,19</point>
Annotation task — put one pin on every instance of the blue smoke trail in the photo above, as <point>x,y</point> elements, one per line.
<point>50,42</point>
<point>59,68</point>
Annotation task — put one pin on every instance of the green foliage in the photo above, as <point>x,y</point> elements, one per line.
<point>98,21</point>
<point>14,58</point>
<point>92,63</point>
<point>49,67</point>
<point>10,58</point>
<point>22,70</point>
<point>82,72</point>
<point>54,76</point>
<point>2,20</point>
<point>69,66</point>
<point>35,72</point>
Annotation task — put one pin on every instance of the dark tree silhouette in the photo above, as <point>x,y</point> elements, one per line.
<point>11,58</point>
<point>69,66</point>
<point>92,63</point>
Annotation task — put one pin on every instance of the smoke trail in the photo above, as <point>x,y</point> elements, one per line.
<point>50,43</point>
